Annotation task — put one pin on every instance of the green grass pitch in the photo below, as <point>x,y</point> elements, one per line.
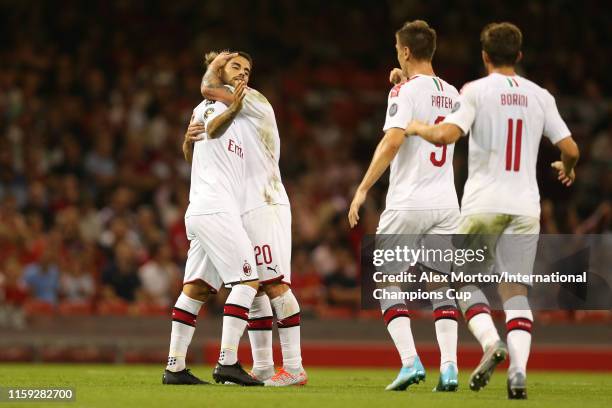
<point>140,386</point>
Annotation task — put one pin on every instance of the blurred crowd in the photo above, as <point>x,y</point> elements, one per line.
<point>95,99</point>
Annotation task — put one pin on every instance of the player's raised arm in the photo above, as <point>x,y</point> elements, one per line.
<point>218,124</point>
<point>212,87</point>
<point>385,152</point>
<point>396,76</point>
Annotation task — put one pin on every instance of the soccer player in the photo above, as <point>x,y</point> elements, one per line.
<point>266,216</point>
<point>421,198</point>
<point>220,251</point>
<point>506,116</point>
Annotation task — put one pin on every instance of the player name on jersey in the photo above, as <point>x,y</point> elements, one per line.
<point>441,102</point>
<point>514,100</point>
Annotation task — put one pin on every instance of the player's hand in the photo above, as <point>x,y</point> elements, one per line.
<point>565,178</point>
<point>222,59</point>
<point>396,76</point>
<point>239,93</point>
<point>356,204</point>
<point>194,132</point>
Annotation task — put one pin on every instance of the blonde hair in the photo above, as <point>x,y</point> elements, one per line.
<point>211,55</point>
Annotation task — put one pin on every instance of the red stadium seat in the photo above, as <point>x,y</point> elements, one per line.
<point>152,309</point>
<point>75,309</point>
<point>336,313</point>
<point>113,308</point>
<point>38,308</point>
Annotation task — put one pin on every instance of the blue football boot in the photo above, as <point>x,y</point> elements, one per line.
<point>407,376</point>
<point>448,379</point>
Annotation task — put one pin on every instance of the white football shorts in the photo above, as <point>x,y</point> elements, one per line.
<point>513,239</point>
<point>429,229</point>
<point>220,251</point>
<point>269,229</point>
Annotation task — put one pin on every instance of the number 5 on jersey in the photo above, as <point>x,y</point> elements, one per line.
<point>432,157</point>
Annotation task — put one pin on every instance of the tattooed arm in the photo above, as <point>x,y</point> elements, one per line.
<point>219,124</point>
<point>212,87</point>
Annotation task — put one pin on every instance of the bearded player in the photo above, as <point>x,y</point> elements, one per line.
<point>421,198</point>
<point>266,216</point>
<point>220,251</point>
<point>506,116</point>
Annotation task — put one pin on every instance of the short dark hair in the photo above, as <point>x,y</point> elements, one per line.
<point>419,37</point>
<point>210,56</point>
<point>502,43</point>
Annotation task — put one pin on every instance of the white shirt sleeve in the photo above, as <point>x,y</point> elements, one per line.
<point>253,104</point>
<point>555,128</point>
<point>207,111</point>
<point>399,109</point>
<point>464,110</point>
<point>210,111</point>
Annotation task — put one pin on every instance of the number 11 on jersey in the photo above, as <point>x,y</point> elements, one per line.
<point>517,144</point>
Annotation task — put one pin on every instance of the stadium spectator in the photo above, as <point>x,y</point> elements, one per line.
<point>13,294</point>
<point>42,278</point>
<point>160,277</point>
<point>77,285</point>
<point>341,284</point>
<point>120,277</point>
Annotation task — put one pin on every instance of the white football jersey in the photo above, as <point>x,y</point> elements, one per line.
<point>506,116</point>
<point>217,167</point>
<point>263,184</point>
<point>422,174</point>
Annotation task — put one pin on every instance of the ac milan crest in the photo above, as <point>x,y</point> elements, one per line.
<point>246,268</point>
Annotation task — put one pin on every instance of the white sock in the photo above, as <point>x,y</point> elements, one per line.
<point>446,333</point>
<point>287,312</point>
<point>481,325</point>
<point>235,316</point>
<point>518,325</point>
<point>398,324</point>
<point>260,333</point>
<point>478,316</point>
<point>184,317</point>
<point>445,317</point>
